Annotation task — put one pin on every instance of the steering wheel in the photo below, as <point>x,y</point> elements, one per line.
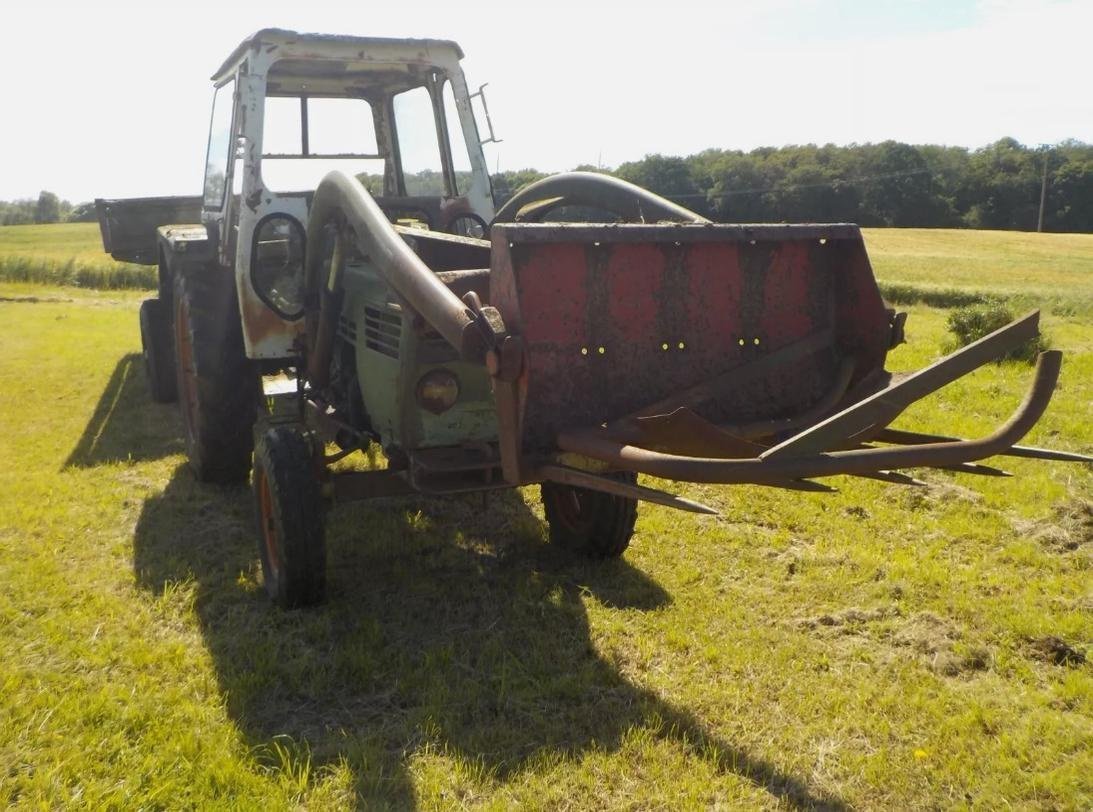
<point>469,224</point>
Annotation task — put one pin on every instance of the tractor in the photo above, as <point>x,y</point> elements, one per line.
<point>345,282</point>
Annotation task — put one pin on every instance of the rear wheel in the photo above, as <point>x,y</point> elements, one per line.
<point>590,523</point>
<point>218,387</point>
<point>289,512</point>
<point>157,348</point>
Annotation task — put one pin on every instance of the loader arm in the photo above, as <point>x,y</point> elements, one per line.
<point>343,211</point>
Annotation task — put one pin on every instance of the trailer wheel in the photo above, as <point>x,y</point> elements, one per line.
<point>218,388</point>
<point>591,523</point>
<point>156,347</point>
<point>289,512</point>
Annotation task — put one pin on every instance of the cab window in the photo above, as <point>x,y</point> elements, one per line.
<point>305,137</point>
<point>419,150</point>
<point>218,153</point>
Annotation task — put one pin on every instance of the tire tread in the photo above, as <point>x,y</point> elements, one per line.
<point>227,385</point>
<point>284,455</point>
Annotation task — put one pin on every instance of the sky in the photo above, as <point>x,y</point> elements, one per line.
<point>112,99</point>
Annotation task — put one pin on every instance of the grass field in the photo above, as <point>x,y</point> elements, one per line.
<point>1052,271</point>
<point>883,647</point>
<point>66,254</point>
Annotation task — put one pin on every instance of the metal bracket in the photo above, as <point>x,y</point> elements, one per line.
<point>493,139</point>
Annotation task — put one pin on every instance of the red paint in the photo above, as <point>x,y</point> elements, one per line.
<point>712,300</point>
<point>552,284</point>
<point>785,317</point>
<point>634,273</point>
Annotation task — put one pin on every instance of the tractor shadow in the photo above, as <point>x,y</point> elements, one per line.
<point>451,627</point>
<point>126,425</point>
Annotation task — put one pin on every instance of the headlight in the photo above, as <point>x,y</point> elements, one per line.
<point>277,265</point>
<point>437,391</point>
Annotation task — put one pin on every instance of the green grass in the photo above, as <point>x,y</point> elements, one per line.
<point>955,267</point>
<point>66,254</point>
<point>878,648</point>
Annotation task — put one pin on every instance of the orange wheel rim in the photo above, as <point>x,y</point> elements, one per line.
<point>269,530</point>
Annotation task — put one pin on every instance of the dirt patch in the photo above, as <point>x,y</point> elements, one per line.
<point>33,299</point>
<point>938,494</point>
<point>1070,527</point>
<point>937,642</point>
<point>1055,650</point>
<point>925,637</point>
<point>848,617</point>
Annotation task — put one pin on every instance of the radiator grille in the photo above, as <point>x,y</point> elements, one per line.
<point>381,331</point>
<point>347,329</point>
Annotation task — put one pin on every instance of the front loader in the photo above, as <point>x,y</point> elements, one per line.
<point>486,349</point>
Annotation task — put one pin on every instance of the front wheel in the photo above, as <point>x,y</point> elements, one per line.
<point>591,523</point>
<point>289,512</point>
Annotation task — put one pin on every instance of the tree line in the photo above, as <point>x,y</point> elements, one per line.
<point>47,208</point>
<point>998,186</point>
<point>888,184</point>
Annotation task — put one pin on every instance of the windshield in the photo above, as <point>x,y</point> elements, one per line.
<point>220,136</point>
<point>409,143</point>
<point>306,137</point>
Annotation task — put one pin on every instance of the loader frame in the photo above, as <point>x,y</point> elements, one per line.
<point>842,429</point>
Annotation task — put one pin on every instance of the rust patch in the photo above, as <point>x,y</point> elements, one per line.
<point>261,326</point>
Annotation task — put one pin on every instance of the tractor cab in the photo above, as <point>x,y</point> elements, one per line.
<point>288,108</point>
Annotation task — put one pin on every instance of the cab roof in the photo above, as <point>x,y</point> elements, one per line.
<point>334,46</point>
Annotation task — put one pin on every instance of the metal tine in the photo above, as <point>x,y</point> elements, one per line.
<point>964,468</point>
<point>807,485</point>
<point>900,437</point>
<point>894,478</point>
<point>975,468</point>
<point>585,479</point>
<point>883,407</point>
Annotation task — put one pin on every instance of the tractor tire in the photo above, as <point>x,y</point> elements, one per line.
<point>590,523</point>
<point>156,345</point>
<point>289,513</point>
<point>218,387</point>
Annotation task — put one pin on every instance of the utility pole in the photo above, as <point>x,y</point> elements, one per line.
<point>1043,193</point>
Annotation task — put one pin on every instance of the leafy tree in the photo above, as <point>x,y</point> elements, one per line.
<point>1070,197</point>
<point>891,183</point>
<point>82,213</point>
<point>508,183</point>
<point>895,186</point>
<point>1005,182</point>
<point>48,209</point>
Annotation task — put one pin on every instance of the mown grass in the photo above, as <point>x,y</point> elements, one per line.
<point>950,268</point>
<point>884,647</point>
<point>68,254</point>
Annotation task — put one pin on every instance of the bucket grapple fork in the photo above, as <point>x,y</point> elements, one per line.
<point>822,449</point>
<point>721,354</point>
